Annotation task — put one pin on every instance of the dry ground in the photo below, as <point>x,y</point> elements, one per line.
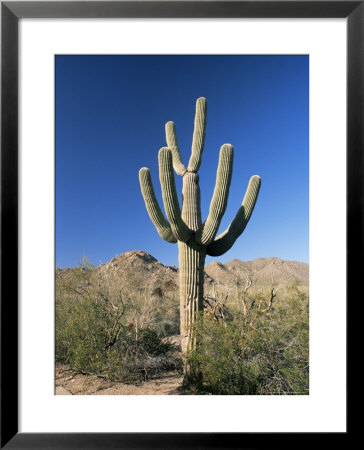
<point>68,382</point>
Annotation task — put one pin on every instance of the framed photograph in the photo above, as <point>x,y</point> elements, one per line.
<point>101,339</point>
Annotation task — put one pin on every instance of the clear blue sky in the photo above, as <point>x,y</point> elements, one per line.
<point>110,117</point>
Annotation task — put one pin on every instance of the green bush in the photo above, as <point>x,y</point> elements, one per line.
<point>87,340</point>
<point>261,353</point>
<point>95,332</point>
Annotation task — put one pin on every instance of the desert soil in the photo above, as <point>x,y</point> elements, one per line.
<point>68,382</point>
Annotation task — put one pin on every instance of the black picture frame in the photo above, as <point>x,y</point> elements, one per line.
<point>11,12</point>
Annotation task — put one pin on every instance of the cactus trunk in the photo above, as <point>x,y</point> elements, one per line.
<point>191,277</point>
<point>191,266</point>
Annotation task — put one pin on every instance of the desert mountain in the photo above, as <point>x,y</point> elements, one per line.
<point>138,271</point>
<point>141,271</point>
<point>263,271</point>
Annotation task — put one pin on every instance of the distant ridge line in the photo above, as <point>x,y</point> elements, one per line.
<point>264,271</point>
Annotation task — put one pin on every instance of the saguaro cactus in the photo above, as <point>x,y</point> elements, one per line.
<point>195,238</point>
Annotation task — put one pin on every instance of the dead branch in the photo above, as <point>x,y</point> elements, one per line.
<point>218,309</point>
<point>243,298</point>
<point>272,295</point>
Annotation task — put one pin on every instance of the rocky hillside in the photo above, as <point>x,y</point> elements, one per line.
<point>139,271</point>
<point>263,271</point>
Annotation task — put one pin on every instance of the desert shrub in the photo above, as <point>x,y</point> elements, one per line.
<point>151,343</point>
<point>88,340</point>
<point>103,332</point>
<point>261,353</point>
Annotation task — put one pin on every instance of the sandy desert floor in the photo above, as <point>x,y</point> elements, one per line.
<point>68,382</point>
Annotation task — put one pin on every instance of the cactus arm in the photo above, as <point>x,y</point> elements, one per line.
<point>198,135</point>
<point>153,208</point>
<point>207,232</point>
<point>225,240</point>
<point>169,194</point>
<point>171,139</point>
